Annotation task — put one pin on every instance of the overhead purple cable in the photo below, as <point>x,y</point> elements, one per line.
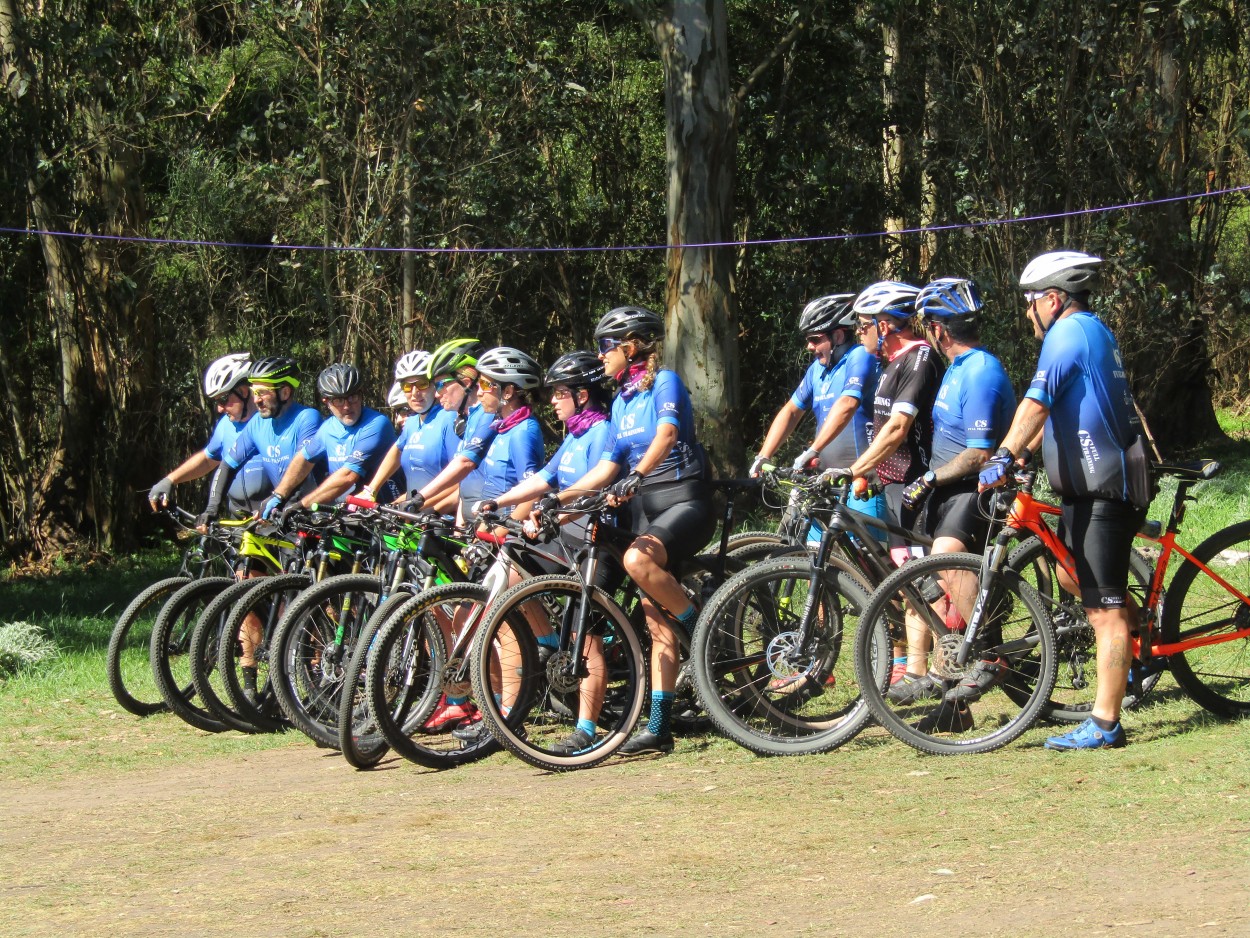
<point>366,249</point>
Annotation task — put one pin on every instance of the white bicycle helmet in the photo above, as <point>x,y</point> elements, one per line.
<point>1069,271</point>
<point>949,297</point>
<point>412,365</point>
<point>510,366</point>
<point>227,373</point>
<point>887,298</point>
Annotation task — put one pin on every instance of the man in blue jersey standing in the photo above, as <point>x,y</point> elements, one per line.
<point>838,389</point>
<point>971,414</point>
<point>1095,459</point>
<point>352,441</point>
<point>225,384</point>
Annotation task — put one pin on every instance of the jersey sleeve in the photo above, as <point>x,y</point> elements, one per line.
<point>989,396</point>
<point>919,375</point>
<point>371,444</point>
<point>315,446</point>
<point>478,436</point>
<point>1057,365</point>
<point>861,369</point>
<point>244,448</point>
<point>804,394</point>
<point>215,448</point>
<point>307,423</point>
<point>528,454</point>
<point>550,472</point>
<point>667,398</point>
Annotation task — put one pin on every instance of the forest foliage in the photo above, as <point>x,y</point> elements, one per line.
<point>355,128</point>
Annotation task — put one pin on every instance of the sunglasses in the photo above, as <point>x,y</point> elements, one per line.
<point>1032,297</point>
<point>865,325</point>
<point>607,344</point>
<point>338,401</point>
<point>419,385</point>
<point>224,399</point>
<point>815,338</point>
<point>561,394</point>
<point>485,384</point>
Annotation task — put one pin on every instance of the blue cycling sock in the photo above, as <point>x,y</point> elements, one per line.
<point>551,640</point>
<point>661,711</point>
<point>688,618</point>
<point>587,727</point>
<point>455,701</point>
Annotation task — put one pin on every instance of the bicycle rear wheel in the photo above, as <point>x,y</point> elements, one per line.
<point>169,651</point>
<point>259,609</point>
<point>1016,633</point>
<point>1216,676</point>
<point>1077,677</point>
<point>411,671</point>
<point>307,659</point>
<point>540,687</point>
<point>203,653</point>
<point>766,686</point>
<point>129,657</point>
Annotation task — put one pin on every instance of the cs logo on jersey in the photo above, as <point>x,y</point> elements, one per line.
<point>628,422</point>
<point>1040,376</point>
<point>981,424</point>
<point>668,407</point>
<point>273,451</point>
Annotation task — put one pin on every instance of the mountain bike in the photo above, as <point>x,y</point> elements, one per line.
<point>768,650</point>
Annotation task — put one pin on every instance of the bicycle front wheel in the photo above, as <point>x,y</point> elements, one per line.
<point>1215,675</point>
<point>768,684</point>
<point>169,650</point>
<point>129,661</point>
<point>310,648</point>
<point>1015,637</point>
<point>360,741</point>
<point>532,692</point>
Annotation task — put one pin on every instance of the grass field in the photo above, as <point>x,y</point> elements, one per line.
<point>147,827</point>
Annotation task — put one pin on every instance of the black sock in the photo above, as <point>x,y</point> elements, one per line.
<point>1105,725</point>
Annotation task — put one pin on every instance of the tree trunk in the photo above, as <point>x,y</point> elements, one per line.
<point>702,336</point>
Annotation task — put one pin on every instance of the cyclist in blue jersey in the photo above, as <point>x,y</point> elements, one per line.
<point>352,443</point>
<point>514,452</point>
<point>971,413</point>
<point>581,403</point>
<point>225,384</point>
<point>428,441</point>
<point>281,426</point>
<point>838,388</point>
<point>652,436</point>
<point>453,372</point>
<point>1080,402</point>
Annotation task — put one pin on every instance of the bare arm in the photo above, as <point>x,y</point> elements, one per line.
<point>386,469</point>
<point>294,476</point>
<point>657,452</point>
<point>339,481</point>
<point>782,426</point>
<point>963,466</point>
<point>1026,426</point>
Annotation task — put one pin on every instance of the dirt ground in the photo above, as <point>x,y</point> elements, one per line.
<point>293,842</point>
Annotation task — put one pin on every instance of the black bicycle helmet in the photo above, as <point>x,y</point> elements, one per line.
<point>339,380</point>
<point>578,369</point>
<point>826,313</point>
<point>273,370</point>
<point>626,322</point>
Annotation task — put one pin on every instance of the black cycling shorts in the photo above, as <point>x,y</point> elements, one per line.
<point>955,511</point>
<point>678,514</point>
<point>609,576</point>
<point>1100,532</point>
<point>900,547</point>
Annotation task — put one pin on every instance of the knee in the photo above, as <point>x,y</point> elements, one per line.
<point>637,563</point>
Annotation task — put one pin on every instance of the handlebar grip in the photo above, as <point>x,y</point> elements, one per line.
<point>357,502</point>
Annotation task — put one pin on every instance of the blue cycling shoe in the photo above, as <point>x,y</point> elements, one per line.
<point>1089,736</point>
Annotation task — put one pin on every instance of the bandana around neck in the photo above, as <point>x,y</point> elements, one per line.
<point>633,378</point>
<point>504,424</point>
<point>582,421</point>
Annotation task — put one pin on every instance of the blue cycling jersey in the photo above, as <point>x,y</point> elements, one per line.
<point>275,441</point>
<point>359,448</point>
<point>427,444</point>
<point>635,420</point>
<point>974,406</point>
<point>479,433</point>
<point>854,375</point>
<point>250,487</point>
<point>514,454</point>
<point>575,456</point>
<point>1080,378</point>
